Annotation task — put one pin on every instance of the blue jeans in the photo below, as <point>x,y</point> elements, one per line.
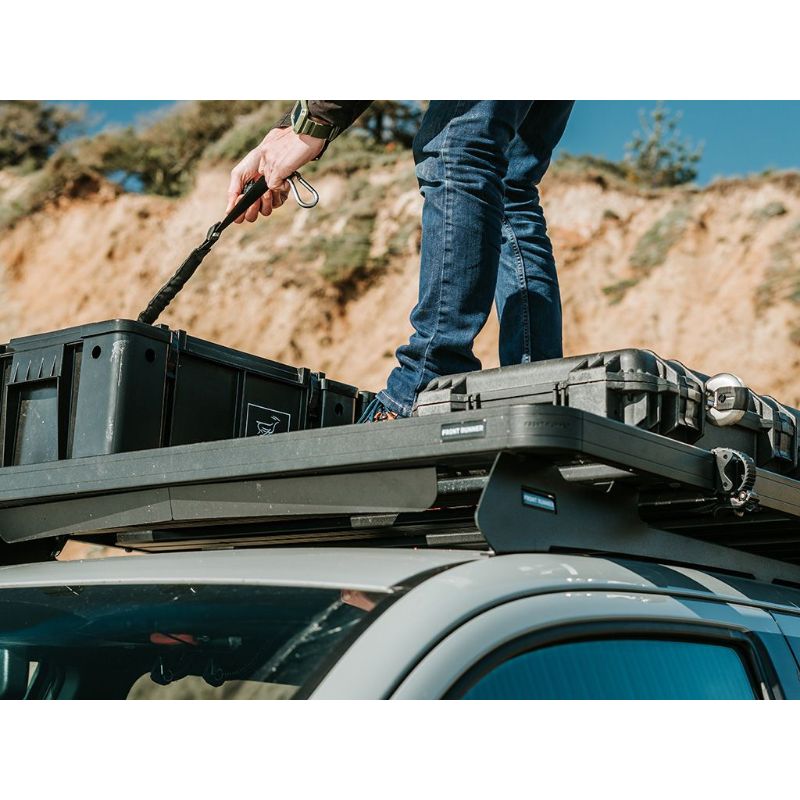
<point>484,238</point>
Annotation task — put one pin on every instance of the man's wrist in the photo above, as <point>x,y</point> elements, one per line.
<point>304,123</point>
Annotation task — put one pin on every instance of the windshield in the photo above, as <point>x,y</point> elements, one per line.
<point>174,641</point>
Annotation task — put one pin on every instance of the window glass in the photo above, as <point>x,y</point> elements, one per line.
<point>175,641</point>
<point>619,669</point>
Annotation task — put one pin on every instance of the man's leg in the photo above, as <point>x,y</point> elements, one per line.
<point>461,152</point>
<point>527,295</point>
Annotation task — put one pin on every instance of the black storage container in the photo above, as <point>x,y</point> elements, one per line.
<point>118,386</point>
<point>220,393</point>
<point>332,403</point>
<point>638,388</point>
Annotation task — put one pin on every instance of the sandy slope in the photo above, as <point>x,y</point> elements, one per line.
<point>261,290</point>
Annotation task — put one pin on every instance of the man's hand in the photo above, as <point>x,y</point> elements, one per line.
<point>280,154</point>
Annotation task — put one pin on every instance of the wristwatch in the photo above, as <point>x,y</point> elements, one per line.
<point>302,123</point>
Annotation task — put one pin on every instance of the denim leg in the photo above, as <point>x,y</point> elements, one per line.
<point>461,153</point>
<point>527,293</point>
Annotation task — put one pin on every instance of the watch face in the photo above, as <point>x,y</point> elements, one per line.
<point>296,111</point>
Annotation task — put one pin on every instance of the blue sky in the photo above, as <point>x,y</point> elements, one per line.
<point>740,137</point>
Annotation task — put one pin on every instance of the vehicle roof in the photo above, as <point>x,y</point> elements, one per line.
<point>367,569</point>
<point>381,569</point>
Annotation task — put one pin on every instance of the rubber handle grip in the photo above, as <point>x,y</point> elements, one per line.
<point>252,192</point>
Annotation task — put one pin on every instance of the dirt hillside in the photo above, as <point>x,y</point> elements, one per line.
<point>710,277</point>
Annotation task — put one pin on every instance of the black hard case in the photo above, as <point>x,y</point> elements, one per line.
<point>632,386</point>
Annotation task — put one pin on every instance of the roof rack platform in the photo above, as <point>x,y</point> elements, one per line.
<point>518,478</point>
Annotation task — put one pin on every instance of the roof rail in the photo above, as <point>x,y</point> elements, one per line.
<point>516,478</point>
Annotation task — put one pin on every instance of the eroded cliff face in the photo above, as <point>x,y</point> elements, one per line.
<point>710,277</point>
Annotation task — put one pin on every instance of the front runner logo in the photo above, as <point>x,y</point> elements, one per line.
<point>263,421</point>
<point>267,428</point>
<point>464,430</point>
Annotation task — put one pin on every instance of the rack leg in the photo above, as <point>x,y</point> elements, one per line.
<point>527,506</point>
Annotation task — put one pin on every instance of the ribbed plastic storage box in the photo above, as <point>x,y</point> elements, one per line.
<point>119,386</point>
<point>638,388</point>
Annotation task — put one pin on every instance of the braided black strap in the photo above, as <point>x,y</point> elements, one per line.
<point>166,294</point>
<point>252,192</point>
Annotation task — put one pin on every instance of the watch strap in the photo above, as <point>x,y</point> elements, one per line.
<point>319,130</point>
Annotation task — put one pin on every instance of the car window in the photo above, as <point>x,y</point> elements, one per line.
<point>619,669</point>
<point>176,641</point>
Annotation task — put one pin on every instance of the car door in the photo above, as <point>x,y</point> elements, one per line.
<point>790,626</point>
<point>602,645</point>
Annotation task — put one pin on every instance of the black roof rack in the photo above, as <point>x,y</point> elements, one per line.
<point>519,478</point>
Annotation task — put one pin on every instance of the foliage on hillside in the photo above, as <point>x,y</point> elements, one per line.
<point>30,130</point>
<point>595,168</point>
<point>162,157</point>
<point>652,248</point>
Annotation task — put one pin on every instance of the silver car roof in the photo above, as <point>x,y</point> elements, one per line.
<point>367,569</point>
<point>381,569</point>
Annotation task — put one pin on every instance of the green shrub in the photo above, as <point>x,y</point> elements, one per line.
<point>657,156</point>
<point>587,165</point>
<point>652,249</point>
<point>346,261</point>
<point>163,155</point>
<point>400,240</point>
<point>770,210</point>
<point>30,130</point>
<point>347,254</point>
<point>62,176</point>
<point>617,291</point>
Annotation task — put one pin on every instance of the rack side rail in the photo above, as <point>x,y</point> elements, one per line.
<point>393,469</point>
